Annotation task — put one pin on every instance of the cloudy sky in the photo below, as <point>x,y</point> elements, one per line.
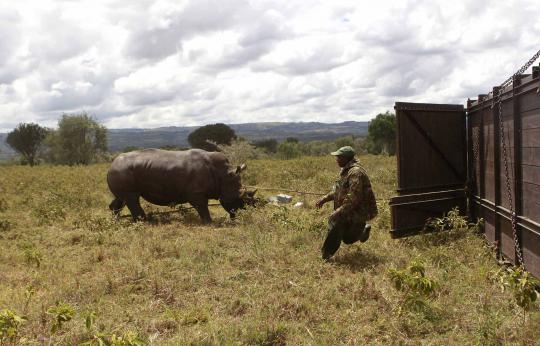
<point>139,63</point>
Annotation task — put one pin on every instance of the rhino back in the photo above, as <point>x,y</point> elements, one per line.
<point>164,177</point>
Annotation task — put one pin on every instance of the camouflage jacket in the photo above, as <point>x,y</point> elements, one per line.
<point>354,200</point>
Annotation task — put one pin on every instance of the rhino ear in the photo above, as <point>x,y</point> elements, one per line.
<point>251,193</point>
<point>241,168</point>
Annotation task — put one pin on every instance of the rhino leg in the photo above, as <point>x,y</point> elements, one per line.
<point>116,206</point>
<point>202,208</point>
<point>134,206</point>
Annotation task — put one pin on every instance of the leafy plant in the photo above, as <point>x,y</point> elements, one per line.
<point>61,313</point>
<point>521,283</point>
<point>453,221</point>
<point>9,325</point>
<point>32,255</point>
<point>412,281</point>
<point>129,338</point>
<point>28,294</point>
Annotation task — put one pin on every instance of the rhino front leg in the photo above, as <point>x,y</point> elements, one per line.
<point>202,208</point>
<point>134,206</point>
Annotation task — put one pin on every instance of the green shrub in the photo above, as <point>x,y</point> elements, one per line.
<point>61,313</point>
<point>10,322</point>
<point>414,284</point>
<point>288,150</point>
<point>32,255</point>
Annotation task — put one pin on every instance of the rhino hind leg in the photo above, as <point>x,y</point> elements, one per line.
<point>134,206</point>
<point>116,206</point>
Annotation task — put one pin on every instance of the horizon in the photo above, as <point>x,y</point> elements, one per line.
<point>228,124</point>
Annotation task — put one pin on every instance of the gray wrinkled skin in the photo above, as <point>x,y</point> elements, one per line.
<point>173,177</point>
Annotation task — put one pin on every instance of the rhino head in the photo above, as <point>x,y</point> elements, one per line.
<point>233,196</point>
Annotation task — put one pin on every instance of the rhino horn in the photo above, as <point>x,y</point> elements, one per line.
<point>241,168</point>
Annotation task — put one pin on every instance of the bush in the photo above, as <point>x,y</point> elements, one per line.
<point>269,145</point>
<point>79,140</point>
<point>240,151</point>
<point>289,150</point>
<point>9,325</point>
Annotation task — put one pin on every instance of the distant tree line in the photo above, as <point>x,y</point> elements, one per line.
<point>81,140</point>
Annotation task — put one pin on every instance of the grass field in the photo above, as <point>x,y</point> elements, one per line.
<point>77,275</point>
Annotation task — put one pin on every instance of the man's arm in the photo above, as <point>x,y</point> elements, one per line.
<point>354,195</point>
<point>322,201</point>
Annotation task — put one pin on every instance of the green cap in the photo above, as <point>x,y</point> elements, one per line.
<point>344,151</point>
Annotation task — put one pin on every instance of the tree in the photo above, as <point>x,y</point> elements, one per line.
<point>216,133</point>
<point>269,145</point>
<point>382,134</point>
<point>79,140</point>
<point>27,139</point>
<point>289,150</point>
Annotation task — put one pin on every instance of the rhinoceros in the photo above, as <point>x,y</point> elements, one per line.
<point>173,177</point>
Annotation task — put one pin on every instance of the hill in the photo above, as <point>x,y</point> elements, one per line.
<point>5,151</point>
<point>174,135</point>
<point>309,131</point>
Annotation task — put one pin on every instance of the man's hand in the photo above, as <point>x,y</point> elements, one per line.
<point>320,203</point>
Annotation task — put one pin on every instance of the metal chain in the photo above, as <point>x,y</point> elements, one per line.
<point>498,99</point>
<point>476,147</point>
<point>476,156</point>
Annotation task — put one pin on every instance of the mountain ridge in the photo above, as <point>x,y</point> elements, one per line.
<point>119,139</point>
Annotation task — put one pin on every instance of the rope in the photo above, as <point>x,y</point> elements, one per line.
<point>170,211</point>
<point>303,192</point>
<point>286,190</point>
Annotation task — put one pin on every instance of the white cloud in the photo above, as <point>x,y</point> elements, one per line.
<point>155,63</point>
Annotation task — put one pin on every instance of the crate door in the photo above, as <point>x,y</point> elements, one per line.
<point>432,164</point>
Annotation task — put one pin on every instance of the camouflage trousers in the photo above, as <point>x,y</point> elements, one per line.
<point>346,231</point>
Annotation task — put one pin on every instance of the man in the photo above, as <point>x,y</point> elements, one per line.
<point>354,204</point>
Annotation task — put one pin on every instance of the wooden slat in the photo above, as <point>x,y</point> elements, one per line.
<point>531,251</point>
<point>531,119</point>
<point>507,239</point>
<point>531,137</point>
<point>531,156</point>
<point>531,200</point>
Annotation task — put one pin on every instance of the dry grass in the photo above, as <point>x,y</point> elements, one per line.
<point>258,280</point>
